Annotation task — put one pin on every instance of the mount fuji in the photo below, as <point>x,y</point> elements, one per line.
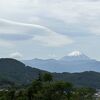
<point>75,56</point>
<point>73,62</point>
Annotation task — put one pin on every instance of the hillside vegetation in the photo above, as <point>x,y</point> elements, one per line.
<point>44,88</point>
<point>13,72</point>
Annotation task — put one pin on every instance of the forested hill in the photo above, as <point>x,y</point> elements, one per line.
<point>15,72</point>
<point>85,79</point>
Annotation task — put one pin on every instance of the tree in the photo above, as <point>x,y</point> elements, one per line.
<point>39,77</point>
<point>11,94</point>
<point>84,93</point>
<point>47,77</point>
<point>64,89</point>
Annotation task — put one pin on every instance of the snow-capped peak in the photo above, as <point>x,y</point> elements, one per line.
<point>75,53</point>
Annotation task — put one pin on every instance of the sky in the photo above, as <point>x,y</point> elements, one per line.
<point>49,28</point>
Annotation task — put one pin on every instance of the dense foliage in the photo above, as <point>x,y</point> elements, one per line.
<point>44,88</point>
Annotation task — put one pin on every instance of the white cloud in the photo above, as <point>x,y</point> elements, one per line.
<point>6,44</point>
<point>52,40</point>
<point>95,30</point>
<point>13,27</point>
<point>71,12</point>
<point>69,17</point>
<point>16,55</point>
<point>41,34</point>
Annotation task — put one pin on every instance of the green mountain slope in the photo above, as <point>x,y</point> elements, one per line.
<point>85,79</point>
<point>15,72</point>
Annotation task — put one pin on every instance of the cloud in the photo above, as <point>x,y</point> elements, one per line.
<point>13,27</point>
<point>16,55</point>
<point>52,40</point>
<point>16,31</point>
<point>15,37</point>
<point>68,20</point>
<point>95,30</point>
<point>6,44</point>
<point>76,15</point>
<point>36,19</point>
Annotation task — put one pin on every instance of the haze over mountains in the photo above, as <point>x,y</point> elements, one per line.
<point>73,62</point>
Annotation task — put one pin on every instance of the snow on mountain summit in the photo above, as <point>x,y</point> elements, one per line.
<point>75,56</point>
<point>75,53</point>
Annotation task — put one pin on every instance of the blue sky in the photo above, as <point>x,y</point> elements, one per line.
<point>49,28</point>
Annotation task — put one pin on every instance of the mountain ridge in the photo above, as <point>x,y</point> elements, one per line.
<point>76,62</point>
<point>15,72</point>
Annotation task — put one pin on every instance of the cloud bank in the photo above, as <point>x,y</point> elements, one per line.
<point>16,31</point>
<point>41,26</point>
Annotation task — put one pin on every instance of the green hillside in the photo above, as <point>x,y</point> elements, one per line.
<point>14,72</point>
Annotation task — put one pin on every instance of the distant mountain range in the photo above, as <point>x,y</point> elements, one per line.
<point>15,72</point>
<point>73,62</point>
